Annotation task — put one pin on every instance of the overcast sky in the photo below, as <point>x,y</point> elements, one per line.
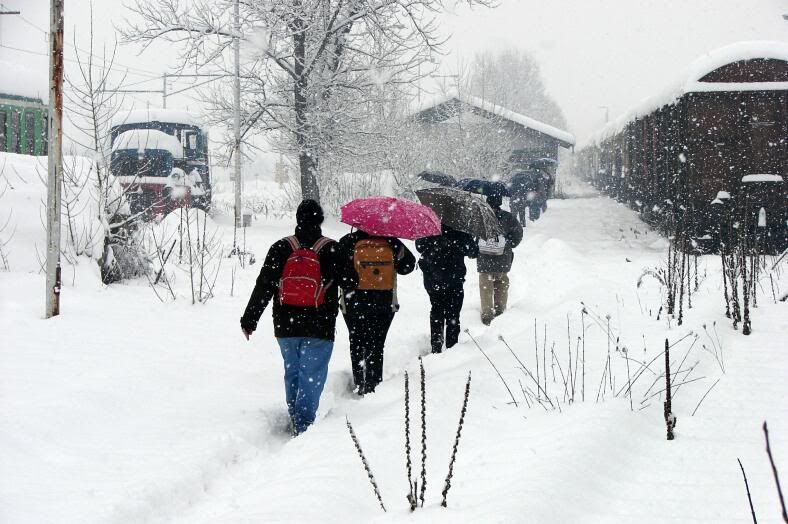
<point>593,53</point>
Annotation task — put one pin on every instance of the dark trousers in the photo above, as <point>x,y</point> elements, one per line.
<point>518,208</point>
<point>368,324</point>
<point>446,301</point>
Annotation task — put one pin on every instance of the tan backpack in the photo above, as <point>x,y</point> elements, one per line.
<point>373,260</point>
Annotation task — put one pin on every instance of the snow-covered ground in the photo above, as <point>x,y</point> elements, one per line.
<point>128,409</point>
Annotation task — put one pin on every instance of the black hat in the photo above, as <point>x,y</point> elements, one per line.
<point>309,213</point>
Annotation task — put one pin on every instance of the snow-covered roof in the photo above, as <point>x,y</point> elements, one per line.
<point>761,178</point>
<point>169,116</point>
<point>484,105</point>
<point>142,139</point>
<point>690,81</point>
<point>18,80</point>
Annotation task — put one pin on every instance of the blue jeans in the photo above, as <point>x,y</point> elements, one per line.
<point>306,367</point>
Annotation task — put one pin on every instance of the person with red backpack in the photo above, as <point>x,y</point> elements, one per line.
<point>369,267</point>
<point>300,275</point>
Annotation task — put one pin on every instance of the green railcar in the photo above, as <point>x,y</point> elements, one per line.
<point>23,125</point>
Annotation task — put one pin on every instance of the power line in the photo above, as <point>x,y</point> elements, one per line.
<point>34,26</point>
<point>38,53</point>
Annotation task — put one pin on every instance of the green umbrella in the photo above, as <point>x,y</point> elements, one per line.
<point>462,211</point>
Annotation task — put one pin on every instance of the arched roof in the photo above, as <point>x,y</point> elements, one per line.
<point>706,74</point>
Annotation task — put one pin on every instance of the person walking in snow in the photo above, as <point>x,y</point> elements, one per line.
<point>495,262</point>
<point>369,268</point>
<point>300,276</point>
<point>443,265</point>
<point>522,187</point>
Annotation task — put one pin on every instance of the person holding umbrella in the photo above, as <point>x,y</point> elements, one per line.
<point>371,259</point>
<point>443,265</point>
<point>495,261</point>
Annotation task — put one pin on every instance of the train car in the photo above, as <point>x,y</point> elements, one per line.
<point>712,148</point>
<point>160,157</point>
<point>23,125</point>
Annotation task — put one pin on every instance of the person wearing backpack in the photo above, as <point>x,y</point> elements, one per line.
<point>300,275</point>
<point>443,265</point>
<point>495,262</point>
<point>370,266</point>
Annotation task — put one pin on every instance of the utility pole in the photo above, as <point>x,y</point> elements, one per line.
<point>55,165</point>
<point>237,115</point>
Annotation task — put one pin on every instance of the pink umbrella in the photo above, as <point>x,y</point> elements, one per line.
<point>391,217</point>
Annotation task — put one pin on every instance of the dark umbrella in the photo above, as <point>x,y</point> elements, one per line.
<point>495,189</point>
<point>438,177</point>
<point>543,163</point>
<point>483,187</point>
<point>462,211</point>
<point>472,185</point>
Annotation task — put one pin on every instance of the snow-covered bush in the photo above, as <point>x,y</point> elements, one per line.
<point>185,252</point>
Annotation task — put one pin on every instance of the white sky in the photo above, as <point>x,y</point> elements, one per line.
<point>593,53</point>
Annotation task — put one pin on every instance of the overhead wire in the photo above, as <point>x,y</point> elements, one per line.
<point>138,70</point>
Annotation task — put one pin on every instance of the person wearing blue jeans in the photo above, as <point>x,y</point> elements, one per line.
<point>304,326</point>
<point>306,367</point>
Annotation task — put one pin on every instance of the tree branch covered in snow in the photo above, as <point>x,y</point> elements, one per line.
<point>314,70</point>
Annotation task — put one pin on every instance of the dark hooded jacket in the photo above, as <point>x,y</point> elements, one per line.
<point>294,321</point>
<point>443,256</point>
<point>513,232</point>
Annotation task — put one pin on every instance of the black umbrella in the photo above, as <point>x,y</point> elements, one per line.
<point>495,189</point>
<point>438,177</point>
<point>462,211</point>
<point>472,185</point>
<point>543,163</point>
<point>483,187</point>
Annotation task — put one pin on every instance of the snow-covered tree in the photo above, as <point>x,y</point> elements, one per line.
<point>512,79</point>
<point>316,66</point>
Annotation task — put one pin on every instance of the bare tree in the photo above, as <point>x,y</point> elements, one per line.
<point>92,104</point>
<point>464,145</point>
<point>512,78</point>
<point>317,64</point>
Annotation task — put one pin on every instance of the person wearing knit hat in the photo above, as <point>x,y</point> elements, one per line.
<point>305,308</point>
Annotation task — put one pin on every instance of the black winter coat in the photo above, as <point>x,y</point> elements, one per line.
<point>404,263</point>
<point>443,256</point>
<point>513,232</point>
<point>294,321</point>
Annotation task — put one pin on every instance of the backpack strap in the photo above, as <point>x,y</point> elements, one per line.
<point>294,243</point>
<point>320,244</point>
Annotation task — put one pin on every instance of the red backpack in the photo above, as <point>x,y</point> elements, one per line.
<point>301,283</point>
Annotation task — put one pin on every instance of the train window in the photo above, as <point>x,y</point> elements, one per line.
<point>3,133</point>
<point>30,132</point>
<point>15,117</point>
